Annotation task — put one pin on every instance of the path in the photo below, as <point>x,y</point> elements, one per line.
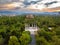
<point>32,33</point>
<point>33,42</point>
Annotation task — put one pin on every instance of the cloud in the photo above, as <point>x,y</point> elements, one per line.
<point>29,4</point>
<point>18,3</point>
<point>54,5</point>
<point>50,3</point>
<point>5,1</point>
<point>12,5</point>
<point>32,0</point>
<point>36,6</point>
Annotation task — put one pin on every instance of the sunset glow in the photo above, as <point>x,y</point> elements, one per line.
<point>44,5</point>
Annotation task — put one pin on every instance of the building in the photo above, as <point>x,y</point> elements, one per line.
<point>30,16</point>
<point>31,26</point>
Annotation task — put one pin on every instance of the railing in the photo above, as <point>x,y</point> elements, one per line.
<point>31,28</point>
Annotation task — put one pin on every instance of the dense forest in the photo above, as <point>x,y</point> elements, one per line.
<point>49,32</point>
<point>12,30</point>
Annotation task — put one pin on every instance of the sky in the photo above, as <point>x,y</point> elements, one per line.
<point>42,5</point>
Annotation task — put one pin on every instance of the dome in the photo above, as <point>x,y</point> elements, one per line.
<point>29,16</point>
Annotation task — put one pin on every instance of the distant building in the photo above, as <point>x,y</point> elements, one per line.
<point>31,26</point>
<point>29,16</point>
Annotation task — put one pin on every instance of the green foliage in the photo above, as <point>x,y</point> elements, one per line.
<point>13,41</point>
<point>47,37</point>
<point>1,40</point>
<point>25,38</point>
<point>14,27</point>
<point>11,29</point>
<point>42,41</point>
<point>57,30</point>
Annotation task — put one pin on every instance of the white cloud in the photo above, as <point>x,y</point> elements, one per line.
<point>39,5</point>
<point>18,4</point>
<point>46,1</point>
<point>21,0</point>
<point>36,6</point>
<point>54,5</point>
<point>31,0</point>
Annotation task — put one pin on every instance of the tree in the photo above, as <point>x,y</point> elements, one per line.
<point>13,41</point>
<point>42,41</point>
<point>1,40</point>
<point>25,38</point>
